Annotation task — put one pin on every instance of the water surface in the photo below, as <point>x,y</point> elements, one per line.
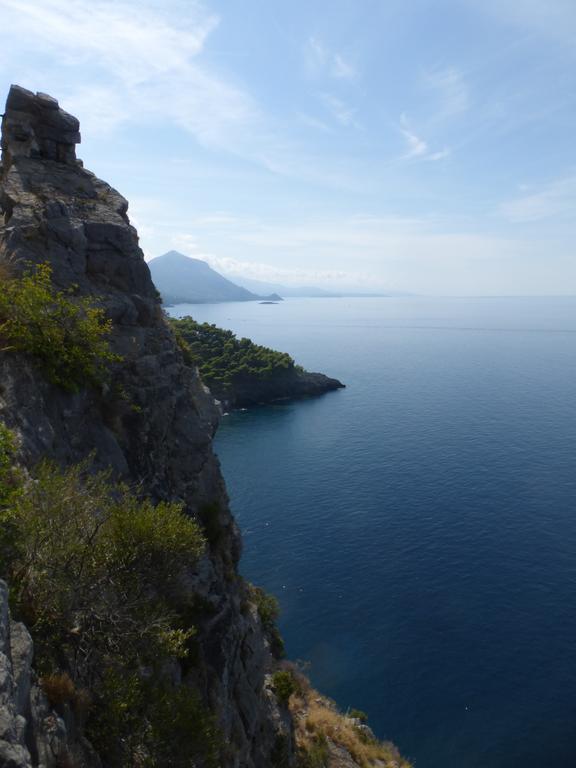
<point>419,527</point>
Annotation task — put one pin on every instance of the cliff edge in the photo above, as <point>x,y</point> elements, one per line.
<point>150,424</point>
<point>154,421</point>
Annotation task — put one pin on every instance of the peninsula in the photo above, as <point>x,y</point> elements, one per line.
<point>240,373</point>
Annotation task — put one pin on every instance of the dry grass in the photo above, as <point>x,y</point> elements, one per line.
<point>317,718</point>
<point>59,688</point>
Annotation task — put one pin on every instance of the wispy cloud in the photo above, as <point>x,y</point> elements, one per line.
<point>312,122</point>
<point>556,199</point>
<point>320,61</point>
<point>452,89</point>
<point>415,254</point>
<point>340,110</point>
<point>134,60</point>
<point>142,63</point>
<point>416,146</point>
<point>256,270</point>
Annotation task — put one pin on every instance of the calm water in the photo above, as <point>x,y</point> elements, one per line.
<point>419,527</point>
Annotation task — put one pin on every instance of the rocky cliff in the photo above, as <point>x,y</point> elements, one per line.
<point>152,425</point>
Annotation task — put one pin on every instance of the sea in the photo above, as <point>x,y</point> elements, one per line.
<point>419,526</point>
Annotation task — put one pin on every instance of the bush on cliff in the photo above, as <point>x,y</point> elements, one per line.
<point>9,477</point>
<point>285,685</point>
<point>95,572</point>
<point>67,336</point>
<point>268,609</point>
<point>95,568</point>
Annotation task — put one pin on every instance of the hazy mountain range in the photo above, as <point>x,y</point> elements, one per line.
<point>183,280</point>
<point>310,291</point>
<point>261,286</point>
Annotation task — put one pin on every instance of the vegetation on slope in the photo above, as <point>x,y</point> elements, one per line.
<point>240,373</point>
<point>66,335</point>
<point>268,609</point>
<point>95,573</point>
<point>224,360</point>
<point>324,735</point>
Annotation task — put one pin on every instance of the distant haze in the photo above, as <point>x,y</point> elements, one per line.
<point>183,280</point>
<point>372,146</point>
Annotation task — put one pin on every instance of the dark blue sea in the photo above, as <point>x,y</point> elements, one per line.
<point>419,527</point>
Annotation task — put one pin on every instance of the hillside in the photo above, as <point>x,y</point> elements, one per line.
<point>240,373</point>
<point>183,280</point>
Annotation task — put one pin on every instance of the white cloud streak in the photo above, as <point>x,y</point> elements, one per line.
<point>340,111</point>
<point>452,89</point>
<point>416,147</point>
<point>554,200</point>
<point>141,63</point>
<point>320,61</point>
<point>253,269</point>
<point>420,255</point>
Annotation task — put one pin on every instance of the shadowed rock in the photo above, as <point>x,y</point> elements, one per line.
<point>35,126</point>
<point>153,423</point>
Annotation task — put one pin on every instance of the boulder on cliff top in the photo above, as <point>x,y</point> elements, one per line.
<point>35,126</point>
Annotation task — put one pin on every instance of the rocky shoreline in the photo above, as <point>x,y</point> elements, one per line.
<point>292,385</point>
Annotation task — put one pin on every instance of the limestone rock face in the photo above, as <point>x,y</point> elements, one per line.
<point>31,734</point>
<point>153,425</point>
<point>35,126</point>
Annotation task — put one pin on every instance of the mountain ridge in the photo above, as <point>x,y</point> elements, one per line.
<point>182,279</point>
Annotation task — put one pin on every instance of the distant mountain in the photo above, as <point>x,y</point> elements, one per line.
<point>308,290</point>
<point>183,280</point>
<point>284,290</point>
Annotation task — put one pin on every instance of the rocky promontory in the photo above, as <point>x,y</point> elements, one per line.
<point>240,373</point>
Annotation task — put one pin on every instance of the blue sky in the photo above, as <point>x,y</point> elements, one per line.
<point>417,145</point>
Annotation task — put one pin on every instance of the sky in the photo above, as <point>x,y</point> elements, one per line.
<point>425,146</point>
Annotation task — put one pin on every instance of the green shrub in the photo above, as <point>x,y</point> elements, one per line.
<point>68,337</point>
<point>8,474</point>
<point>141,722</point>
<point>268,610</point>
<point>10,484</point>
<point>358,714</point>
<point>94,568</point>
<point>284,684</point>
<point>96,573</point>
<point>266,604</point>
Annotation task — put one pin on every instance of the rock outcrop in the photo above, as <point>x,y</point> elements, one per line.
<point>31,734</point>
<point>292,385</point>
<point>153,425</point>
